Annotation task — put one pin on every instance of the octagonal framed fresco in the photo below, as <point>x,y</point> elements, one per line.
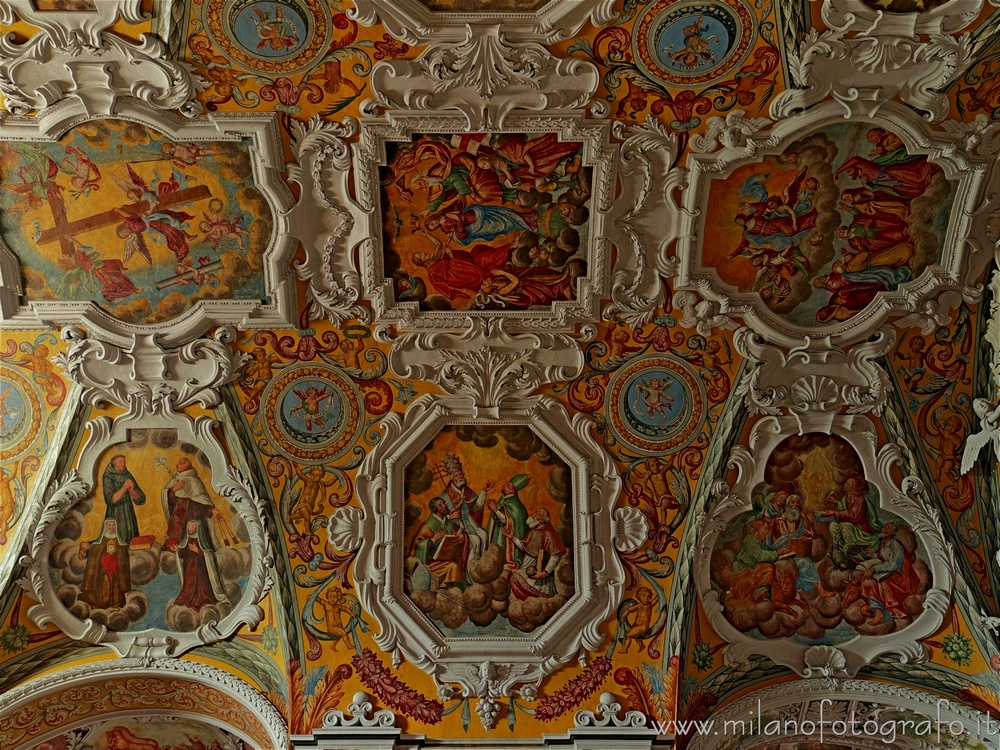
<point>508,223</point>
<point>816,557</point>
<point>487,541</point>
<point>837,222</point>
<point>141,222</point>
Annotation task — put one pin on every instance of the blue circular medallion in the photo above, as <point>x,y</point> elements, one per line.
<point>656,404</point>
<point>269,29</point>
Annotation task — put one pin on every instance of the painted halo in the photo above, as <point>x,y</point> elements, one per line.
<point>657,405</point>
<point>273,37</point>
<point>690,43</point>
<point>318,431</point>
<point>20,414</point>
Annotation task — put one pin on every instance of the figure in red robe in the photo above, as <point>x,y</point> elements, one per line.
<point>542,551</point>
<point>889,577</point>
<point>461,273</point>
<point>190,534</point>
<point>115,283</point>
<point>891,167</point>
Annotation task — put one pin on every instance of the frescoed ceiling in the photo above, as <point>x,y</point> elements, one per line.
<point>388,373</point>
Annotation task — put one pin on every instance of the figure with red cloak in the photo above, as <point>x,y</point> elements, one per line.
<point>542,551</point>
<point>190,534</point>
<point>848,297</point>
<point>528,163</point>
<point>889,577</point>
<point>891,167</point>
<point>521,288</point>
<point>461,273</point>
<point>115,283</point>
<point>107,576</point>
<point>759,219</point>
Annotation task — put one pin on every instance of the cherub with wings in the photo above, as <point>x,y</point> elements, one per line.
<point>144,216</point>
<point>989,421</point>
<point>655,397</point>
<point>276,31</point>
<point>309,404</point>
<point>37,180</point>
<point>86,177</point>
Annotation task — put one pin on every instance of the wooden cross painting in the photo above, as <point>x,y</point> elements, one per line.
<point>118,214</point>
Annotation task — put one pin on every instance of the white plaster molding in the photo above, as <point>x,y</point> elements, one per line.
<point>904,500</point>
<point>369,154</point>
<point>150,383</point>
<point>599,577</point>
<point>415,23</point>
<point>243,694</point>
<point>325,219</point>
<point>608,713</point>
<point>645,220</point>
<point>486,364</point>
<point>703,315</point>
<point>867,57</point>
<point>732,131</point>
<point>75,55</point>
<point>362,715</point>
<point>278,310</point>
<point>964,254</point>
<point>485,77</point>
<point>836,700</point>
<point>816,379</point>
<point>987,410</point>
<point>147,377</point>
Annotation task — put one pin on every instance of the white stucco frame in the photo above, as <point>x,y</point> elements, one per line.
<point>267,160</point>
<point>963,258</point>
<point>903,499</point>
<point>377,532</point>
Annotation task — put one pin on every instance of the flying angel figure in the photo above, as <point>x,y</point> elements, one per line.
<point>145,216</point>
<point>989,419</point>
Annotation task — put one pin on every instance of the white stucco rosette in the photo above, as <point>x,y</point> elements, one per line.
<point>589,589</point>
<point>768,576</point>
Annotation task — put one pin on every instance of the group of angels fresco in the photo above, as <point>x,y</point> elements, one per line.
<point>489,222</point>
<point>821,229</point>
<point>488,533</point>
<point>118,214</point>
<point>136,542</point>
<point>816,558</point>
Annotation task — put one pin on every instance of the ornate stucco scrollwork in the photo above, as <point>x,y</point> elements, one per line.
<point>89,575</point>
<point>404,582</point>
<point>77,56</point>
<point>855,564</point>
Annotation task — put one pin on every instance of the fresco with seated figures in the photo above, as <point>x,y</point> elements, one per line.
<point>487,222</point>
<point>816,559</point>
<point>821,229</point>
<point>118,214</point>
<point>489,531</point>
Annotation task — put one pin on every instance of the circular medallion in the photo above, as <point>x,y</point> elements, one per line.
<point>20,414</point>
<point>691,44</point>
<point>657,404</point>
<point>312,413</point>
<point>270,36</point>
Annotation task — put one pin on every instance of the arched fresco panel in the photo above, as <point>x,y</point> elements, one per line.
<point>817,559</point>
<point>168,554</point>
